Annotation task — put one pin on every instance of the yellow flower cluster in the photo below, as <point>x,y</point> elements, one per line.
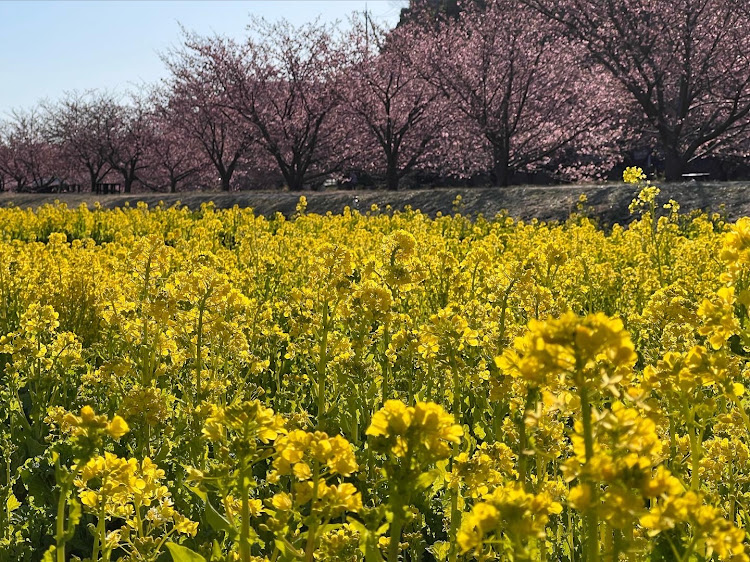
<point>595,349</point>
<point>125,486</point>
<point>735,250</point>
<point>507,511</point>
<point>88,424</point>
<point>335,499</point>
<point>113,488</point>
<point>633,174</point>
<point>247,420</point>
<point>625,468</point>
<point>489,467</point>
<point>401,268</point>
<point>298,449</point>
<point>721,537</point>
<point>693,371</point>
<point>380,385</point>
<point>38,351</point>
<point>718,319</point>
<point>425,431</point>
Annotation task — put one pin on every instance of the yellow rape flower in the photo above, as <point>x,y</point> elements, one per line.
<point>425,430</point>
<point>633,174</point>
<point>591,350</point>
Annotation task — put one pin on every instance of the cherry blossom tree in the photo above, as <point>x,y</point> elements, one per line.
<point>684,63</point>
<point>27,156</point>
<point>11,168</point>
<point>459,88</point>
<point>392,110</point>
<point>196,106</point>
<point>418,9</point>
<point>129,139</point>
<point>520,88</point>
<point>80,125</point>
<point>4,157</point>
<point>174,156</point>
<point>283,82</point>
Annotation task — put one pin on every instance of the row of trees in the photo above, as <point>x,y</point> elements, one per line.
<point>496,88</point>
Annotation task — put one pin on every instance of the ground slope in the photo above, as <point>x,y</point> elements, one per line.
<point>609,202</point>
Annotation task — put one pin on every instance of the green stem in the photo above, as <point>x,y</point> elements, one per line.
<point>453,552</point>
<point>198,354</point>
<point>99,536</point>
<point>571,536</point>
<point>688,553</point>
<point>384,366</point>
<point>322,363</point>
<point>591,518</point>
<point>732,495</point>
<point>60,538</point>
<point>312,529</point>
<point>695,448</point>
<point>5,521</point>
<point>695,457</point>
<point>138,518</point>
<point>245,524</point>
<point>397,524</point>
<point>159,546</point>
<point>522,439</point>
<point>672,444</point>
<point>541,470</point>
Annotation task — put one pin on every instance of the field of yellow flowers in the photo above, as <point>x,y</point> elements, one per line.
<point>218,386</point>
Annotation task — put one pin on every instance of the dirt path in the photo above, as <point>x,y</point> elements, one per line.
<point>609,202</point>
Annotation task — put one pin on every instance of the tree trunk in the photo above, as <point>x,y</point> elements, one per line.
<point>94,181</point>
<point>130,175</point>
<point>391,174</point>
<point>172,184</point>
<point>674,166</point>
<point>226,181</point>
<point>295,182</point>
<point>500,175</point>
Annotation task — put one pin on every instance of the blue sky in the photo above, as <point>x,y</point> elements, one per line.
<point>47,47</point>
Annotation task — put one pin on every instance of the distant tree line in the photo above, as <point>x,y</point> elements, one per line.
<point>484,91</point>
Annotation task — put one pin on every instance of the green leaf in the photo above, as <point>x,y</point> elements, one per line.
<point>183,554</point>
<point>12,503</point>
<point>37,484</point>
<point>213,518</point>
<point>479,431</point>
<point>34,447</point>
<point>217,521</point>
<point>330,527</point>
<point>440,550</point>
<point>372,552</point>
<point>216,550</point>
<point>287,550</point>
<point>74,517</point>
<point>281,546</point>
<point>427,479</point>
<point>197,491</point>
<point>49,555</point>
<point>368,541</point>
